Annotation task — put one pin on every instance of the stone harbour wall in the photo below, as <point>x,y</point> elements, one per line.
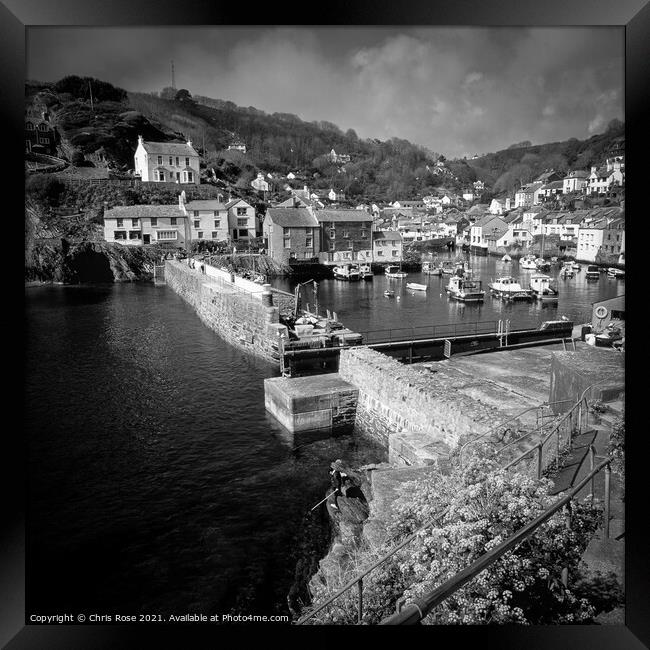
<point>238,316</point>
<point>419,415</point>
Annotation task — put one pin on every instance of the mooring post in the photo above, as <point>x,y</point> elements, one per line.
<point>608,472</point>
<point>539,460</point>
<point>360,601</point>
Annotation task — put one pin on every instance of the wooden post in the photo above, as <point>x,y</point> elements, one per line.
<point>592,462</point>
<point>565,570</point>
<point>608,472</point>
<point>539,460</point>
<point>360,601</point>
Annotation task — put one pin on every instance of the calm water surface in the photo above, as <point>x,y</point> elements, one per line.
<point>157,481</point>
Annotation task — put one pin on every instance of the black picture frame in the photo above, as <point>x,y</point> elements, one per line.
<point>634,15</point>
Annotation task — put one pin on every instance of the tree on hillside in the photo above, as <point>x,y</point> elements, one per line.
<point>184,95</point>
<point>82,87</point>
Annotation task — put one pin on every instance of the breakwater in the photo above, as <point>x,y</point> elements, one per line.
<point>240,311</point>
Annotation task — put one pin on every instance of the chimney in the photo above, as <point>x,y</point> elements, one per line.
<point>140,140</point>
<point>189,142</point>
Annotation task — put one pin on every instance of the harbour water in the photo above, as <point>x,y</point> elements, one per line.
<point>362,307</point>
<point>157,481</point>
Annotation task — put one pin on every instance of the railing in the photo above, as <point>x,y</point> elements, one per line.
<point>429,331</point>
<point>417,610</point>
<point>582,421</point>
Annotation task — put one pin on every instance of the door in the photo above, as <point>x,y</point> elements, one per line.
<point>234,233</point>
<point>146,239</point>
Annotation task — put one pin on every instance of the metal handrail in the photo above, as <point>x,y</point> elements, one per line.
<point>417,610</point>
<point>372,567</point>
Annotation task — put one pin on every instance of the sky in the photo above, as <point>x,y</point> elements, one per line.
<point>459,91</point>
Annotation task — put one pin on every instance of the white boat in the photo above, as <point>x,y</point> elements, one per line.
<point>348,272</point>
<point>389,293</point>
<point>542,288</point>
<point>509,289</point>
<point>542,265</point>
<point>393,271</point>
<point>464,289</point>
<point>431,268</point>
<point>575,266</point>
<point>448,267</point>
<point>615,273</point>
<point>528,262</point>
<point>506,258</point>
<point>416,287</point>
<point>567,270</point>
<point>365,272</point>
<point>592,272</point>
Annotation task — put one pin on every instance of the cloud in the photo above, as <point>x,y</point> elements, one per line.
<point>455,90</point>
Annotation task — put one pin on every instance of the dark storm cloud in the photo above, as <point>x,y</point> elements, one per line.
<point>456,90</point>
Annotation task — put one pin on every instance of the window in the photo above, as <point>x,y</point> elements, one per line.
<point>42,127</point>
<point>160,175</point>
<point>241,212</point>
<point>29,126</point>
<point>43,140</point>
<point>217,223</point>
<point>134,234</point>
<point>178,176</point>
<point>134,222</point>
<point>200,234</point>
<point>215,234</point>
<point>243,233</point>
<point>395,253</point>
<point>188,177</point>
<point>287,243</point>
<point>332,246</point>
<point>197,223</point>
<point>364,234</point>
<point>160,160</point>
<point>196,213</point>
<point>308,242</point>
<point>177,163</point>
<point>216,213</point>
<point>242,222</point>
<point>172,221</point>
<point>166,234</point>
<point>346,233</point>
<point>119,234</point>
<point>286,232</point>
<point>380,253</point>
<point>332,233</point>
<point>154,221</point>
<point>120,223</point>
<point>187,162</point>
<point>171,161</point>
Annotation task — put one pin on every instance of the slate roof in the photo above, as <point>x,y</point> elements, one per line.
<point>292,217</point>
<point>169,148</point>
<point>390,235</point>
<point>553,185</point>
<point>205,205</point>
<point>141,211</point>
<point>342,215</point>
<point>578,173</point>
<point>487,219</point>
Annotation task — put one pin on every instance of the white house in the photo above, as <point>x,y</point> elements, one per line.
<point>468,195</point>
<point>386,246</point>
<point>167,162</point>
<point>590,240</point>
<point>603,179</point>
<point>487,226</point>
<point>260,184</point>
<point>499,206</point>
<point>207,219</point>
<point>528,195</point>
<point>136,225</point>
<point>575,181</point>
<point>241,220</point>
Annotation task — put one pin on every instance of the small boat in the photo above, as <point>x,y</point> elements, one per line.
<point>608,337</point>
<point>592,272</point>
<point>348,272</point>
<point>506,258</point>
<point>542,265</point>
<point>389,293</point>
<point>464,289</point>
<point>365,272</point>
<point>393,271</point>
<point>542,288</point>
<point>448,267</point>
<point>575,266</point>
<point>508,288</point>
<point>615,273</point>
<point>431,268</point>
<point>528,262</point>
<point>416,287</point>
<point>567,271</point>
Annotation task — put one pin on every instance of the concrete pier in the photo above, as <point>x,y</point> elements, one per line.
<point>312,403</point>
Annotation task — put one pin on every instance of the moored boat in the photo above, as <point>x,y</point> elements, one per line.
<point>542,265</point>
<point>509,289</point>
<point>389,293</point>
<point>615,273</point>
<point>431,268</point>
<point>506,258</point>
<point>543,289</point>
<point>465,289</point>
<point>348,272</point>
<point>448,267</point>
<point>365,272</point>
<point>567,270</point>
<point>575,266</point>
<point>416,286</point>
<point>393,271</point>
<point>592,272</point>
<point>528,262</point>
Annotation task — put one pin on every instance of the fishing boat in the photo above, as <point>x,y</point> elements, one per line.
<point>431,268</point>
<point>465,289</point>
<point>567,271</point>
<point>416,286</point>
<point>448,267</point>
<point>462,268</point>
<point>575,266</point>
<point>389,293</point>
<point>508,288</point>
<point>506,258</point>
<point>393,271</point>
<point>528,262</point>
<point>615,273</point>
<point>365,272</point>
<point>349,272</point>
<point>592,272</point>
<point>543,289</point>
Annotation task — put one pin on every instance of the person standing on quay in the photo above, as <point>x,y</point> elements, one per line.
<point>337,476</point>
